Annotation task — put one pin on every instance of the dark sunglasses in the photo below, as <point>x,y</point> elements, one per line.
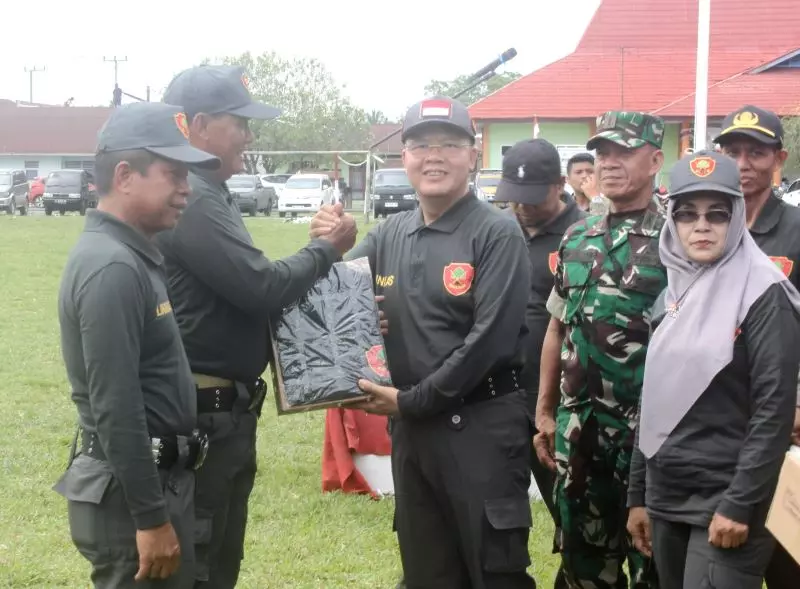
<point>715,217</point>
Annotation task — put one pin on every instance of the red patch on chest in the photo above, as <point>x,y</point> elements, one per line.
<point>552,262</point>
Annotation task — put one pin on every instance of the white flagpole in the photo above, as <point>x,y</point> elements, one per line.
<point>701,80</point>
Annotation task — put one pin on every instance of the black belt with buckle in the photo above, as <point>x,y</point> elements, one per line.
<point>216,399</point>
<point>498,384</point>
<point>223,399</point>
<point>188,452</point>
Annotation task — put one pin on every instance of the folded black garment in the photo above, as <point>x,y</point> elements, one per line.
<point>331,338</point>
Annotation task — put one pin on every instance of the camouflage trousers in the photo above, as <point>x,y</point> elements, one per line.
<point>593,454</point>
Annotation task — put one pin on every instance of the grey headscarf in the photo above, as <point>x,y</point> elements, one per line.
<point>695,342</point>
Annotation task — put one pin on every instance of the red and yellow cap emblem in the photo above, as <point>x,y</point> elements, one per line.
<point>182,124</point>
<point>702,166</point>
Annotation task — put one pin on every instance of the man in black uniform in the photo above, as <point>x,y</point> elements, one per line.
<point>754,138</point>
<point>130,489</point>
<point>225,290</point>
<point>452,275</point>
<point>533,184</point>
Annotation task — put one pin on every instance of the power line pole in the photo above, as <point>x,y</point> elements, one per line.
<point>116,66</point>
<point>30,72</point>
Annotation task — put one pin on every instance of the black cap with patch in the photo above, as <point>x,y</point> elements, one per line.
<point>704,171</point>
<point>217,89</point>
<point>762,125</point>
<point>438,110</point>
<point>158,128</point>
<point>530,168</point>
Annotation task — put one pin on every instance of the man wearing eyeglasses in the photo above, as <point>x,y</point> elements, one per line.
<point>608,275</point>
<point>455,277</point>
<point>754,138</point>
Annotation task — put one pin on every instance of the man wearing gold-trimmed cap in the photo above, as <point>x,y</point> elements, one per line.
<point>754,138</point>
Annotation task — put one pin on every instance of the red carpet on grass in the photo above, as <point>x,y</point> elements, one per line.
<point>348,431</point>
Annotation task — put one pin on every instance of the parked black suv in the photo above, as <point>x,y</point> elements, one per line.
<point>69,190</point>
<point>392,192</point>
<point>14,191</point>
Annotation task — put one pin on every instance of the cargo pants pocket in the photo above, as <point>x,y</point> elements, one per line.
<point>99,520</point>
<point>203,530</point>
<point>505,535</point>
<point>721,576</point>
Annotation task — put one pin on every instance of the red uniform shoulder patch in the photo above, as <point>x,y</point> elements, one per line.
<point>457,278</point>
<point>376,358</point>
<point>784,264</point>
<point>552,262</point>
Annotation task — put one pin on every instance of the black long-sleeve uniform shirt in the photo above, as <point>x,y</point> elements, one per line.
<point>542,252</point>
<point>456,293</point>
<point>125,362</point>
<point>224,289</point>
<point>725,455</point>
<point>777,233</point>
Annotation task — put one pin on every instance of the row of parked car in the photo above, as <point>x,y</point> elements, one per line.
<point>59,191</point>
<point>290,194</point>
<point>74,190</point>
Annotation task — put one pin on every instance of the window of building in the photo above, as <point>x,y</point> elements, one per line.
<point>31,169</point>
<point>87,165</point>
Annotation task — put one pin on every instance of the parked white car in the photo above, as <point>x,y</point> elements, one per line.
<point>792,194</point>
<point>305,193</point>
<point>277,181</point>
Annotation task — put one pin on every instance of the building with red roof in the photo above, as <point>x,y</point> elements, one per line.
<point>641,55</point>
<point>40,139</point>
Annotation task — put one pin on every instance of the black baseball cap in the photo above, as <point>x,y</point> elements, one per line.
<point>158,128</point>
<point>530,168</point>
<point>762,125</point>
<point>704,171</point>
<point>438,110</point>
<point>216,89</point>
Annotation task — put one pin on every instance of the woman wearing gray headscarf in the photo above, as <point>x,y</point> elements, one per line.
<point>719,392</point>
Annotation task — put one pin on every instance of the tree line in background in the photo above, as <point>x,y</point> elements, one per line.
<point>317,115</point>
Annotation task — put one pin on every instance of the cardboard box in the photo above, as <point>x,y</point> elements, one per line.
<point>783,520</point>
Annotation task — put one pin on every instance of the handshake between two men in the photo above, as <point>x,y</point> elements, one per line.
<point>332,224</point>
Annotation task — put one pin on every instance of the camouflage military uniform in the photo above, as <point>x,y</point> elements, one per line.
<point>608,276</point>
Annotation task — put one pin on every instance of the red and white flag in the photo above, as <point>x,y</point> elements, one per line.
<point>435,108</point>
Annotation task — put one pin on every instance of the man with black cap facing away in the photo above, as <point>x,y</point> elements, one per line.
<point>130,482</point>
<point>533,185</point>
<point>460,425</point>
<point>224,290</point>
<point>754,138</point>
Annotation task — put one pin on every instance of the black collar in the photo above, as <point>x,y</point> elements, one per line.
<point>561,222</point>
<point>102,222</point>
<point>209,177</point>
<point>769,216</point>
<point>450,219</point>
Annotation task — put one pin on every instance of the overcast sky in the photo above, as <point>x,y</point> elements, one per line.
<point>382,52</point>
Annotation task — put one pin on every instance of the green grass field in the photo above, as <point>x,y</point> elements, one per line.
<point>297,536</point>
